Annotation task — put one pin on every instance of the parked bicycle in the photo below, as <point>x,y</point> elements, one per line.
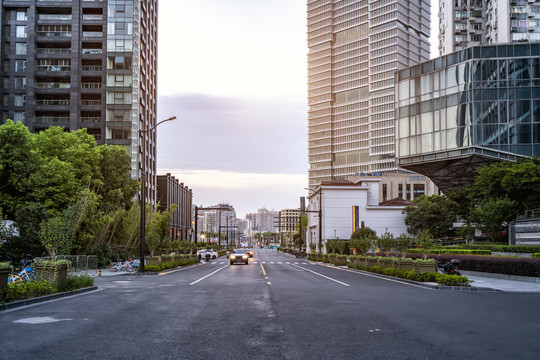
<point>120,265</point>
<point>26,274</point>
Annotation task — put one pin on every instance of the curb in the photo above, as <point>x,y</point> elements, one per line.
<point>16,304</point>
<point>416,283</point>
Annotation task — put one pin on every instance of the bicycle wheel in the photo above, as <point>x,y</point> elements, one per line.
<point>113,267</point>
<point>129,267</point>
<point>14,279</point>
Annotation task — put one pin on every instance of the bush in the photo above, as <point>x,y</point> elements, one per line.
<point>494,264</point>
<point>452,280</point>
<point>456,251</point>
<point>75,282</point>
<point>27,289</point>
<point>188,260</point>
<point>536,255</point>
<point>523,249</point>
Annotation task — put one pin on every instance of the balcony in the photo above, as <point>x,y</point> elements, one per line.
<point>53,68</point>
<point>63,34</point>
<point>66,17</point>
<point>91,51</point>
<point>55,51</point>
<point>52,85</point>
<point>91,102</point>
<point>92,17</point>
<point>91,68</point>
<point>91,85</point>
<point>92,34</point>
<point>53,102</point>
<point>91,119</point>
<point>52,119</point>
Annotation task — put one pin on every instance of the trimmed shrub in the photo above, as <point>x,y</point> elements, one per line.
<point>523,249</point>
<point>456,251</point>
<point>452,280</point>
<point>536,255</point>
<point>28,289</point>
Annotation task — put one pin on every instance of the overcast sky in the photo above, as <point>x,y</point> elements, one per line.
<point>234,73</point>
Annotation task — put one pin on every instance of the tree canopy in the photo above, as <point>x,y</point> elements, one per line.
<point>55,180</point>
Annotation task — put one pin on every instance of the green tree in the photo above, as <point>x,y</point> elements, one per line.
<point>18,160</point>
<point>363,239</point>
<point>300,239</point>
<point>435,213</point>
<point>341,246</point>
<point>386,241</point>
<point>403,243</point>
<point>54,235</point>
<point>424,240</point>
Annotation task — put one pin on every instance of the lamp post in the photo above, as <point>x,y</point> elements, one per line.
<point>143,188</point>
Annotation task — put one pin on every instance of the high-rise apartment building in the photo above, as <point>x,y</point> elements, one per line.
<point>355,46</point>
<point>84,64</point>
<point>464,23</point>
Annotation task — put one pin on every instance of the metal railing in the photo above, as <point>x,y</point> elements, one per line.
<point>91,85</point>
<point>52,102</point>
<point>54,51</point>
<point>52,85</point>
<point>53,68</point>
<point>52,119</point>
<point>91,68</point>
<point>90,102</point>
<point>81,264</point>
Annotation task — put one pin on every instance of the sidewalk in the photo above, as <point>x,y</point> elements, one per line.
<point>490,281</point>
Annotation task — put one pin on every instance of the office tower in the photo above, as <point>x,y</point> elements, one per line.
<point>464,23</point>
<point>84,64</point>
<point>354,48</point>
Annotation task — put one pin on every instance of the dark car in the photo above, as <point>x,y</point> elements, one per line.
<point>239,255</point>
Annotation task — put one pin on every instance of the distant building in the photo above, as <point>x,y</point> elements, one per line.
<point>469,108</point>
<point>170,191</point>
<point>288,220</point>
<point>266,220</point>
<point>346,206</point>
<point>253,219</point>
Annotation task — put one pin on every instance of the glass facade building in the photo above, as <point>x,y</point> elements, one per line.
<point>468,108</point>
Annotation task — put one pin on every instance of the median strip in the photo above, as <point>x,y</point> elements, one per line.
<point>212,273</point>
<point>321,275</point>
<point>265,276</point>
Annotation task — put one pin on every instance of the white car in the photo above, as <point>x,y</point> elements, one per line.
<point>202,254</point>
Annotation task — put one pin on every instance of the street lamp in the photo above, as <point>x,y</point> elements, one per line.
<point>143,188</point>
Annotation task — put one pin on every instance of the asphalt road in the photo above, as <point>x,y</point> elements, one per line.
<point>277,307</point>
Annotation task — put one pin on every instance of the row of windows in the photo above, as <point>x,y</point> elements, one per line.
<point>362,45</point>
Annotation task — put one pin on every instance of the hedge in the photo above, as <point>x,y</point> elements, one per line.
<point>494,264</point>
<point>536,255</point>
<point>504,248</point>
<point>450,251</point>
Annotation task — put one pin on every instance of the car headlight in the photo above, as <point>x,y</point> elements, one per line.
<point>233,257</point>
<point>244,256</point>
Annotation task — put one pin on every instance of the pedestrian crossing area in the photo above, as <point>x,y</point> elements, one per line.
<point>267,262</point>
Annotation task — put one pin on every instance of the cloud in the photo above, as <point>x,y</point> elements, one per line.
<point>247,192</point>
<point>259,135</point>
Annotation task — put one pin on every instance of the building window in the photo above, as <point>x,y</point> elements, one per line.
<point>400,191</point>
<point>21,31</point>
<point>19,100</point>
<point>408,191</point>
<point>20,83</point>
<point>418,190</point>
<point>21,16</point>
<point>384,192</point>
<point>20,48</point>
<point>20,65</point>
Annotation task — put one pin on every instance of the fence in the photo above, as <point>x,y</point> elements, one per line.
<point>81,264</point>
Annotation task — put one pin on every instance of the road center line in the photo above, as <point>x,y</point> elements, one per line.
<point>212,273</point>
<point>324,276</point>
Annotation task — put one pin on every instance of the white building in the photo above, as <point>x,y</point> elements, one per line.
<point>347,206</point>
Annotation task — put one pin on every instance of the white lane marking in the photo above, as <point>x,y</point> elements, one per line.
<point>264,262</point>
<point>271,262</point>
<point>212,273</point>
<point>40,320</point>
<point>288,263</point>
<point>304,263</point>
<point>279,262</point>
<point>324,276</point>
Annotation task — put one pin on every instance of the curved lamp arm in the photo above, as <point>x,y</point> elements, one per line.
<point>155,126</point>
